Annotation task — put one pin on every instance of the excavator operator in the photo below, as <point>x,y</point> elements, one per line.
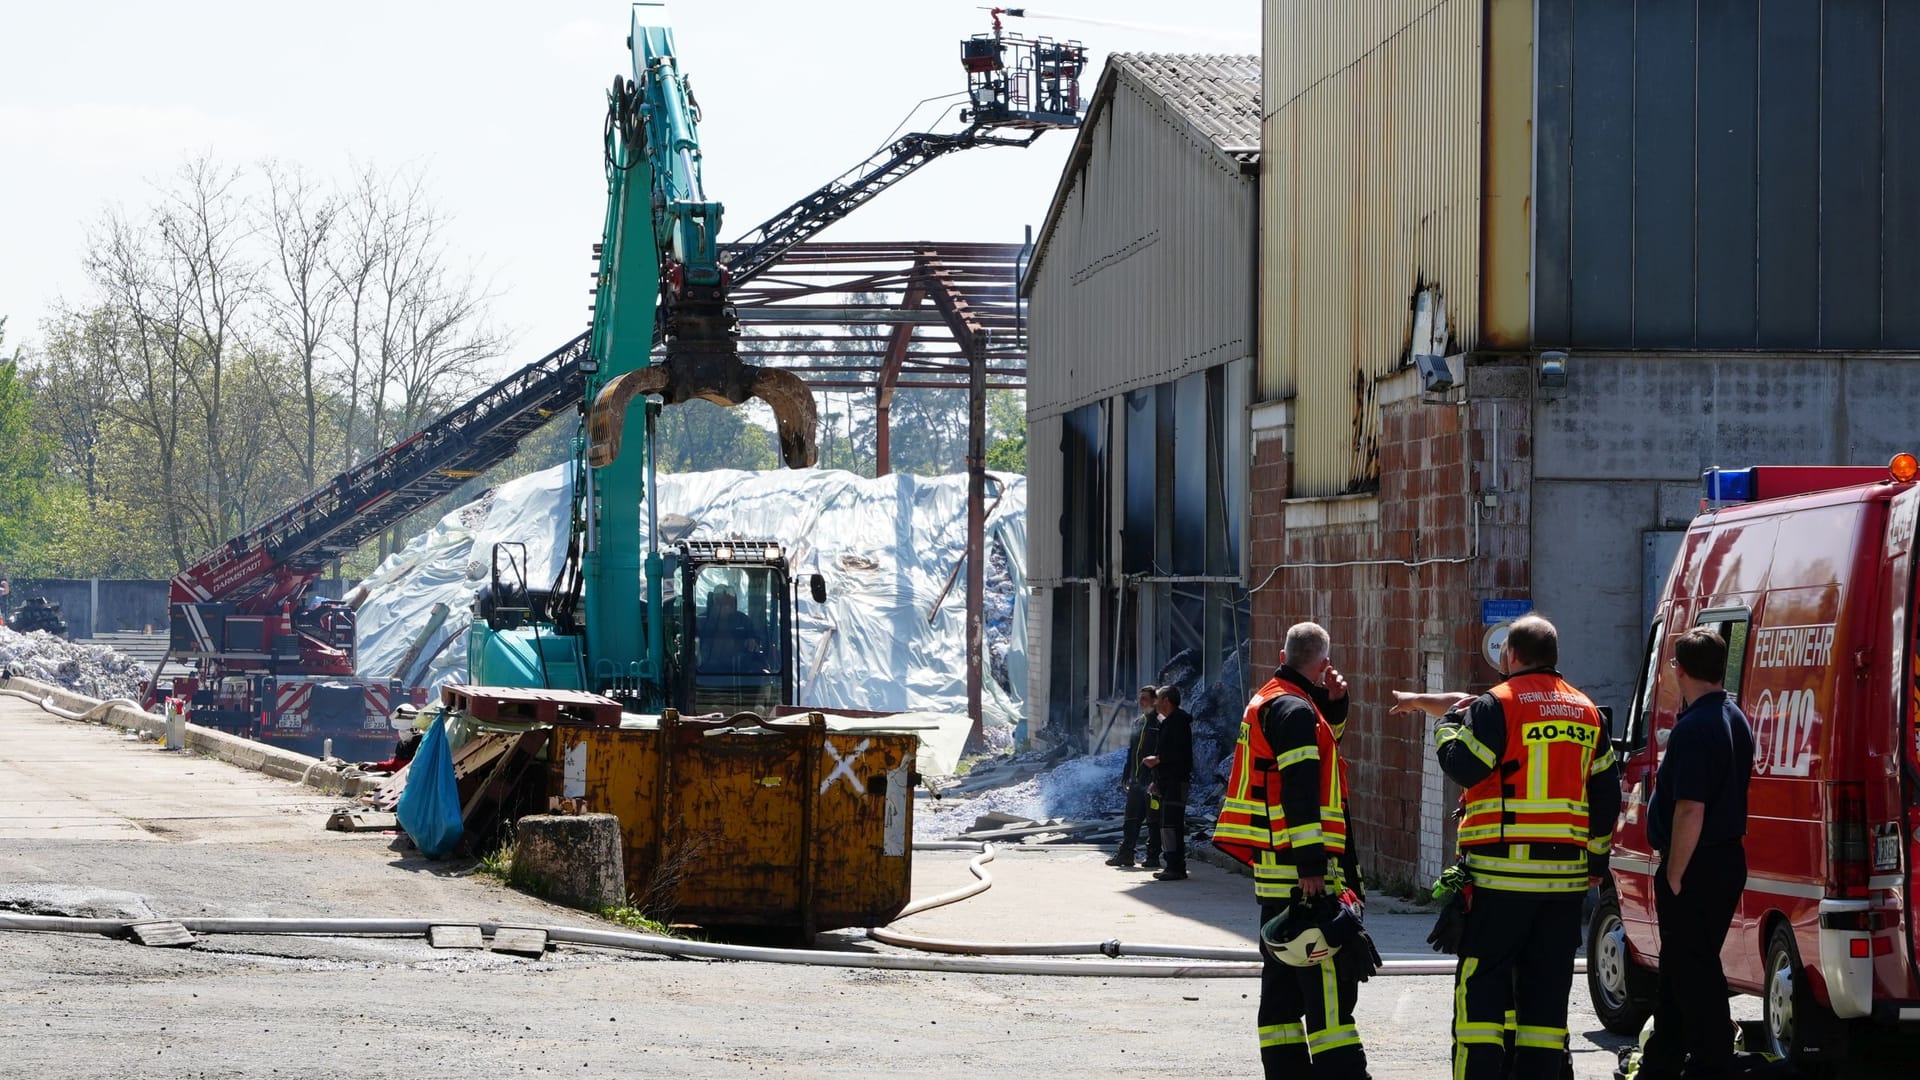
<point>727,642</point>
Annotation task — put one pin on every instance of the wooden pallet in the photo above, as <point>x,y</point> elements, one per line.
<point>533,706</point>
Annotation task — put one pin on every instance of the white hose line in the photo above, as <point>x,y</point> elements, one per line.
<point>1112,948</point>
<point>977,866</point>
<point>652,944</point>
<point>46,702</point>
<point>656,945</point>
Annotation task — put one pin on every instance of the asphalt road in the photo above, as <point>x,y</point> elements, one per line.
<point>91,822</point>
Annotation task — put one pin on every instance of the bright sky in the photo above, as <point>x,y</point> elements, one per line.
<point>501,102</point>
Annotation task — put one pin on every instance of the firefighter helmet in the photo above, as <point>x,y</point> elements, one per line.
<point>1310,932</point>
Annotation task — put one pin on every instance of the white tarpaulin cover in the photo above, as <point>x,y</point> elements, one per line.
<point>887,547</point>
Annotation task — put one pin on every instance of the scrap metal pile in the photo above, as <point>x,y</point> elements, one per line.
<point>93,670</point>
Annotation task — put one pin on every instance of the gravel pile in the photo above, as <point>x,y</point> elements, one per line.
<point>93,670</point>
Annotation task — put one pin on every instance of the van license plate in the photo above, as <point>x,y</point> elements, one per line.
<point>1886,849</point>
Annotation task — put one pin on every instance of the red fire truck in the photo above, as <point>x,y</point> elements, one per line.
<point>1808,572</point>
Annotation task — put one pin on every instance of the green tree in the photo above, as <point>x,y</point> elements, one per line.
<point>25,457</point>
<point>700,435</point>
<point>1007,431</point>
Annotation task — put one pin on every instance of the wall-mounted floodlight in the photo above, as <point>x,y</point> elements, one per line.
<point>1553,370</point>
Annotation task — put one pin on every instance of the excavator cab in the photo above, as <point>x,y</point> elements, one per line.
<point>731,650</point>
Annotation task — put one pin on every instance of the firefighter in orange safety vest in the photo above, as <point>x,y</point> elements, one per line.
<point>1537,822</point>
<point>1284,815</point>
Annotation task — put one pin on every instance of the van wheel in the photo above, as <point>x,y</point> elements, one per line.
<point>1798,1028</point>
<point>1622,992</point>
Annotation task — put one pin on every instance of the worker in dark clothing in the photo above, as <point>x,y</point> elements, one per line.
<point>1172,765</point>
<point>1142,808</point>
<point>1284,814</point>
<point>1696,821</point>
<point>1536,828</point>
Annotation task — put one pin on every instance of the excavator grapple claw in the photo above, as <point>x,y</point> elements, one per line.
<point>701,370</point>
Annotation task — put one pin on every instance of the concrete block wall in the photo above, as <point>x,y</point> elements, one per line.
<point>1618,455</point>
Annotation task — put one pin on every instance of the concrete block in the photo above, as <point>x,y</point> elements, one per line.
<point>574,858</point>
<point>161,933</point>
<point>455,936</point>
<point>520,940</point>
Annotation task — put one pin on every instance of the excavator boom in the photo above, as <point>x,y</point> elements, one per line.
<point>652,136</point>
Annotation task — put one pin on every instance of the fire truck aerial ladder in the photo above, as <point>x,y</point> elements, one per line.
<point>267,661</point>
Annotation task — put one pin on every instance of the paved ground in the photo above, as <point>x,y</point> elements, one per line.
<point>89,819</point>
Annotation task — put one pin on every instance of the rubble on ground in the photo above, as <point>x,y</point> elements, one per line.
<point>93,670</point>
<point>1050,797</point>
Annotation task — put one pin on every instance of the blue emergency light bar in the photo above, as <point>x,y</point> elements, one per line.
<point>1758,482</point>
<point>1728,485</point>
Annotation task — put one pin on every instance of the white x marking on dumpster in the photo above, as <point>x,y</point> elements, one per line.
<point>843,766</point>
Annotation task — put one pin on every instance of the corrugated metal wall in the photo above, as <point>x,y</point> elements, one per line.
<point>1135,285</point>
<point>1728,175</point>
<point>1370,187</point>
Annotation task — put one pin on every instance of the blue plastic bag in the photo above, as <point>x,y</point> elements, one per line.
<point>430,806</point>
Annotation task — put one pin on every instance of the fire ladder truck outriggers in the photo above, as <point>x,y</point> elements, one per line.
<point>267,661</point>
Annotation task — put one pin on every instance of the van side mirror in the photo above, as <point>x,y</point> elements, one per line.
<point>817,587</point>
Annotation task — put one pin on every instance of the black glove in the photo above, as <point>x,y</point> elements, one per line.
<point>1450,927</point>
<point>1359,960</point>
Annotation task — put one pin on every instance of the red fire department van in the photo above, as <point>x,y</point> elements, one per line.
<point>1809,575</point>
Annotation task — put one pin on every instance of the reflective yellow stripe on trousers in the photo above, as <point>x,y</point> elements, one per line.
<point>1283,1034</point>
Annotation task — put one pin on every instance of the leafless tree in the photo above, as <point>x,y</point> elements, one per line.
<point>150,367</point>
<point>208,278</point>
<point>302,299</point>
<point>414,335</point>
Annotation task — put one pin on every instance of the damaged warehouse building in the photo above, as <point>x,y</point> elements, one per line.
<point>1143,322</point>
<point>1524,271</point>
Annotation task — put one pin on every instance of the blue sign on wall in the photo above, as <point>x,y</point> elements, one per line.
<point>1499,611</point>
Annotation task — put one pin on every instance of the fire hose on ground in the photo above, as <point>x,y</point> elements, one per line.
<point>957,957</point>
<point>951,956</point>
<point>95,713</point>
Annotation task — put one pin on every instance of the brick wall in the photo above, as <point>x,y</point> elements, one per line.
<point>1397,577</point>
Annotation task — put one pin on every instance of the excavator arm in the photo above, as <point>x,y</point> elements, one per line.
<point>667,282</point>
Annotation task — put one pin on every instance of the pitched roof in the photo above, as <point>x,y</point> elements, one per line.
<point>1214,96</point>
<point>1219,95</point>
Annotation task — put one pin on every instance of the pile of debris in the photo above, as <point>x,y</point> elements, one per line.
<point>1050,797</point>
<point>93,670</point>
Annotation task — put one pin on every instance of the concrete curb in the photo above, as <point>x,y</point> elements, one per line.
<point>245,753</point>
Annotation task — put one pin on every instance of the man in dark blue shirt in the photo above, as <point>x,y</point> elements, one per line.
<point>1172,765</point>
<point>1696,821</point>
<point>1134,778</point>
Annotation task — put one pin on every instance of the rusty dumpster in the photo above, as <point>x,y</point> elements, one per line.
<point>746,822</point>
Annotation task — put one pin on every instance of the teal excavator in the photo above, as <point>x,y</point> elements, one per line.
<point>705,626</point>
